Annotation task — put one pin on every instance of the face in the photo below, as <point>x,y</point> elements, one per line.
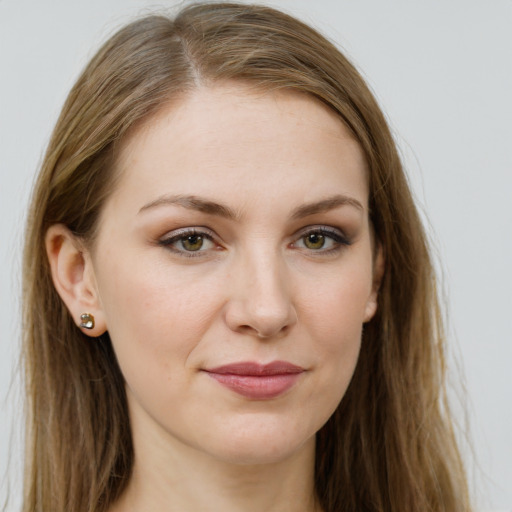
<point>234,268</point>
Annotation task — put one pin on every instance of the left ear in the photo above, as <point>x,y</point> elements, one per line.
<point>379,263</point>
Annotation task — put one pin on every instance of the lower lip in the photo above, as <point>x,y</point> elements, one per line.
<point>257,387</point>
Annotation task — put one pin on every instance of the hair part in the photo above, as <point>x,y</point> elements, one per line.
<point>390,445</point>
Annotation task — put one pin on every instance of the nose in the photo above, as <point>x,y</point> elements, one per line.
<point>260,302</point>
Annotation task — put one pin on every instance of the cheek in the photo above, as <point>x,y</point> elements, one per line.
<point>335,304</point>
<point>334,318</point>
<point>154,317</point>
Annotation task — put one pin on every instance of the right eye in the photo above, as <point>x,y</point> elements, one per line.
<point>188,242</point>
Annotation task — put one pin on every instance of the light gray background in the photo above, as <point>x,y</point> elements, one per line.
<point>442,70</point>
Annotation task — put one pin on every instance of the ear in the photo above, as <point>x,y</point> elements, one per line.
<point>379,263</point>
<point>73,277</point>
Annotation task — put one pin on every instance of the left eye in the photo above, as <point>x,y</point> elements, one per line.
<point>320,240</point>
<point>315,241</point>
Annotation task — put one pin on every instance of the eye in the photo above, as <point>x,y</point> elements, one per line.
<point>321,239</point>
<point>188,242</point>
<point>315,241</point>
<point>192,242</point>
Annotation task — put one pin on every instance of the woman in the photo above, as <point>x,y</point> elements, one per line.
<point>220,212</point>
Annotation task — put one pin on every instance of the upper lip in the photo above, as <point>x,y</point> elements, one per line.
<point>256,369</point>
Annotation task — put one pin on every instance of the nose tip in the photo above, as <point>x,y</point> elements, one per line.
<point>261,305</point>
<point>264,323</point>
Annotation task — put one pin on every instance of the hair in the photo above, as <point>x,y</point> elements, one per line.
<point>390,444</point>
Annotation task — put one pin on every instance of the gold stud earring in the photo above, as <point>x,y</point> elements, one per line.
<point>86,321</point>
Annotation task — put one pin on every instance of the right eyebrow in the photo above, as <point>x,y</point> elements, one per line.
<point>192,202</point>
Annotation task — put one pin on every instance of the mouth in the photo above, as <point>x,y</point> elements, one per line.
<point>257,381</point>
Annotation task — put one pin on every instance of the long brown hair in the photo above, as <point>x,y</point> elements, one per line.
<point>390,445</point>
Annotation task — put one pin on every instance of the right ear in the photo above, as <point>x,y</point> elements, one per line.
<point>73,277</point>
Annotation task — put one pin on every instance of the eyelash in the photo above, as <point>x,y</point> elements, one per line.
<point>339,240</point>
<point>183,234</point>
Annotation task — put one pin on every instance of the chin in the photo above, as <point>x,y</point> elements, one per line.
<point>249,447</point>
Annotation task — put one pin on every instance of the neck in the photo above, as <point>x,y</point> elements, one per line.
<point>170,476</point>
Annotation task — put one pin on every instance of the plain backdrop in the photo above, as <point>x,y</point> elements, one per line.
<point>442,71</point>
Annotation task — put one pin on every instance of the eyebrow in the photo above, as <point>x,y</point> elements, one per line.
<point>193,203</point>
<point>330,203</point>
<point>209,207</point>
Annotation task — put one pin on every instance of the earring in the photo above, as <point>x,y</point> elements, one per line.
<point>86,321</point>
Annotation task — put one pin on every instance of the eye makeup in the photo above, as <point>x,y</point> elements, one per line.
<point>321,240</point>
<point>192,242</point>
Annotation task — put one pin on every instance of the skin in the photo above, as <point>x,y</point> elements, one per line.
<point>261,288</point>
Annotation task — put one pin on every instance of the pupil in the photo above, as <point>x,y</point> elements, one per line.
<point>193,242</point>
<point>315,241</point>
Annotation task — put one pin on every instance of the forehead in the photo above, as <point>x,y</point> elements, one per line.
<point>233,142</point>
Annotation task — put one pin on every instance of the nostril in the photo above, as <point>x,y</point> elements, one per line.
<point>263,309</point>
<point>265,331</point>
<point>261,328</point>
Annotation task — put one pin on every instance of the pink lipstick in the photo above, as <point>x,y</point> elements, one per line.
<point>256,381</point>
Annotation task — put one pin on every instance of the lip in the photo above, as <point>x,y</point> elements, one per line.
<point>257,381</point>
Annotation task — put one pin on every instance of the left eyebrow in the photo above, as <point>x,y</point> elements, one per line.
<point>330,203</point>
